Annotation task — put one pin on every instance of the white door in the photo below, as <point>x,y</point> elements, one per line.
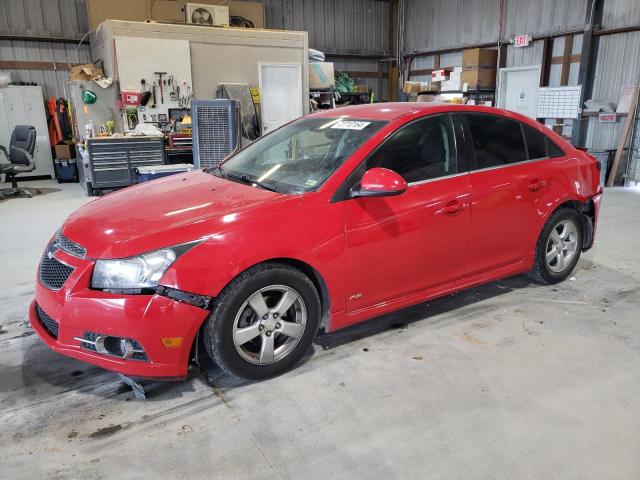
<point>280,93</point>
<point>519,90</point>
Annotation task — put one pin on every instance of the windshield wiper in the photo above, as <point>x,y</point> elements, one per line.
<point>245,179</point>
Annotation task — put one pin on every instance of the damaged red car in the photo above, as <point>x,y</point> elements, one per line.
<point>330,220</point>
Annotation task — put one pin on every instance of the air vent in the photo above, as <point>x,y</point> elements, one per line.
<point>216,131</point>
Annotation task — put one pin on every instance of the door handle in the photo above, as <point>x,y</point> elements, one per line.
<point>453,207</point>
<point>536,185</point>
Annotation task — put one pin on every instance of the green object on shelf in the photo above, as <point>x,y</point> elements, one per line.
<point>89,97</point>
<point>344,84</point>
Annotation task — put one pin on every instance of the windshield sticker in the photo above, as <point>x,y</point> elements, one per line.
<point>350,125</point>
<point>311,183</point>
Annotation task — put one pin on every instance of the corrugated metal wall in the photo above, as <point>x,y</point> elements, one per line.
<point>439,24</point>
<point>336,26</point>
<point>345,26</point>
<point>361,26</point>
<point>43,18</point>
<point>543,16</point>
<point>617,66</point>
<point>442,24</point>
<point>436,24</point>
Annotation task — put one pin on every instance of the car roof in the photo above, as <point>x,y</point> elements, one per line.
<point>392,110</point>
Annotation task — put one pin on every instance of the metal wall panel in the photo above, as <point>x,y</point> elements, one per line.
<point>620,13</point>
<point>435,24</point>
<point>53,82</point>
<point>345,26</point>
<point>543,16</point>
<point>49,18</point>
<point>44,18</point>
<point>525,56</point>
<point>617,66</point>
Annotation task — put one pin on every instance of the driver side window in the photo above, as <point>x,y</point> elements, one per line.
<point>422,150</point>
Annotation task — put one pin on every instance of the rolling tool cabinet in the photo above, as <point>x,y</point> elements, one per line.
<point>112,161</point>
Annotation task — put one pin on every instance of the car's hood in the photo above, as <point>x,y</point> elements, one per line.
<point>169,211</point>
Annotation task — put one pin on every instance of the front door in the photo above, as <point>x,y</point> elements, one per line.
<point>399,245</point>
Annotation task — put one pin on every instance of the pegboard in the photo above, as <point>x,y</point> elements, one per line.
<point>139,57</point>
<point>559,102</point>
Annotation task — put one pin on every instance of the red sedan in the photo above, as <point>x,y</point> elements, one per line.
<point>328,221</point>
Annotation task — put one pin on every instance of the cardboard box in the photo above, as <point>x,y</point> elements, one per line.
<point>361,88</point>
<point>483,78</point>
<point>413,88</point>
<point>166,10</point>
<point>321,75</point>
<point>65,151</point>
<point>86,72</point>
<point>476,58</point>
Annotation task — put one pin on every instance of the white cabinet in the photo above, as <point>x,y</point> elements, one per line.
<point>25,106</point>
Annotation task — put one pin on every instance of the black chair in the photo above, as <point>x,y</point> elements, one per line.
<point>20,156</point>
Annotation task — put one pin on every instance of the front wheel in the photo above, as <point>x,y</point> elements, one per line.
<point>263,322</point>
<point>559,246</point>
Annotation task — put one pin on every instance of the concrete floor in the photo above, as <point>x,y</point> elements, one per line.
<point>510,380</point>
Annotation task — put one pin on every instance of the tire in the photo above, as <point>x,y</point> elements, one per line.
<point>235,318</point>
<point>559,246</point>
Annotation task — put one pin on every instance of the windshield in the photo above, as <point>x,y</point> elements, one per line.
<point>300,156</point>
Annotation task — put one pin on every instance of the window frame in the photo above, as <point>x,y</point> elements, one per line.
<point>353,179</point>
<point>471,148</point>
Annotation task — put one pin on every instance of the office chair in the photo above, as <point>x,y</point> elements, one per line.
<point>20,156</point>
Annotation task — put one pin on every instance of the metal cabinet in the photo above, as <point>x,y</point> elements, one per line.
<point>24,105</point>
<point>112,161</point>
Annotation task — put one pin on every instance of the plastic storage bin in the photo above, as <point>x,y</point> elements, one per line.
<point>153,172</point>
<point>65,170</point>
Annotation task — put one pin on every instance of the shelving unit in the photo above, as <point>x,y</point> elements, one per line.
<point>475,93</point>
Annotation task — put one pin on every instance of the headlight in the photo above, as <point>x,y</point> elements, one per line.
<point>136,272</point>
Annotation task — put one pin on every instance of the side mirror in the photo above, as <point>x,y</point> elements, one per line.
<point>380,182</point>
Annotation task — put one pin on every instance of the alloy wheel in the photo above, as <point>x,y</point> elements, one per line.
<point>269,324</point>
<point>561,246</point>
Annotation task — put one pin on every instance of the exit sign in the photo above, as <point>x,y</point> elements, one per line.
<point>521,40</point>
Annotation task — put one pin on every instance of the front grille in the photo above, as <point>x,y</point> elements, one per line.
<point>49,324</point>
<point>69,246</point>
<point>53,273</point>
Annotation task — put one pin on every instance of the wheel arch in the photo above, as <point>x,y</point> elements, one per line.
<point>586,211</point>
<point>315,277</point>
<point>304,267</point>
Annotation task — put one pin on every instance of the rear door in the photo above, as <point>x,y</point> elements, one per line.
<point>399,245</point>
<point>512,172</point>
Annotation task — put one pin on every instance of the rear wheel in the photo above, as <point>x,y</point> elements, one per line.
<point>263,322</point>
<point>559,246</point>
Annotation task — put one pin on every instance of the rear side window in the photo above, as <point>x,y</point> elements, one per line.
<point>553,150</point>
<point>496,140</point>
<point>536,143</point>
<point>422,150</point>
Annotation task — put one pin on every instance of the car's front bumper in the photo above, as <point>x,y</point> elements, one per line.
<point>147,319</point>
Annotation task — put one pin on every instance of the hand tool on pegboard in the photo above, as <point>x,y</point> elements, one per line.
<point>160,74</point>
